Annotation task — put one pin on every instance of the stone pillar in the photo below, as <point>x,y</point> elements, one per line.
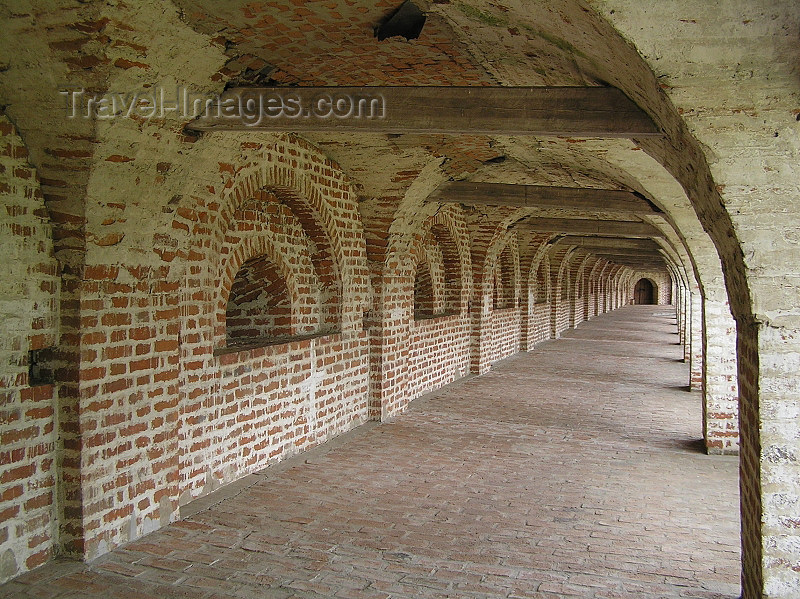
<point>720,389</point>
<point>393,338</point>
<point>695,340</point>
<point>480,347</point>
<point>770,496</point>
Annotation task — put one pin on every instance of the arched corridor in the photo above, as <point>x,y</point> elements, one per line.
<point>237,231</point>
<point>574,470</point>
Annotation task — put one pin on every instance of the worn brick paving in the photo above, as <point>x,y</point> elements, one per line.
<point>571,471</point>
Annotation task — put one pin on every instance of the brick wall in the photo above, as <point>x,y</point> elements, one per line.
<point>243,324</point>
<point>561,285</point>
<point>578,296</point>
<point>542,297</point>
<point>29,313</point>
<point>541,322</point>
<point>272,402</point>
<point>438,348</point>
<point>438,353</point>
<point>504,320</point>
<point>505,327</point>
<point>662,286</point>
<point>591,288</point>
<point>496,312</point>
<point>169,411</point>
<point>315,387</point>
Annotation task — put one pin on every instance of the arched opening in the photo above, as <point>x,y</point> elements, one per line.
<point>496,290</point>
<point>275,245</point>
<point>503,291</point>
<point>643,292</point>
<point>259,305</point>
<point>540,296</point>
<point>451,269</point>
<point>437,280</point>
<point>436,350</point>
<point>320,248</point>
<point>424,300</point>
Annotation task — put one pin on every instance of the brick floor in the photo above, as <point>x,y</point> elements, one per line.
<point>571,471</point>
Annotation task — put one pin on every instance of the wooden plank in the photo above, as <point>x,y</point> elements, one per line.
<point>613,228</point>
<point>591,242</point>
<point>633,261</point>
<point>643,254</point>
<point>568,111</point>
<point>628,254</point>
<point>623,251</point>
<point>541,196</point>
<point>642,266</point>
<point>648,250</point>
<point>661,267</point>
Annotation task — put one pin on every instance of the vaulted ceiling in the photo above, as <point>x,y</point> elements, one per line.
<point>290,44</point>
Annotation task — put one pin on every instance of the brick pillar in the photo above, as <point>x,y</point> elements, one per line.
<point>720,391</point>
<point>393,341</point>
<point>696,341</point>
<point>680,314</point>
<point>481,335</point>
<point>686,306</point>
<point>770,409</point>
<point>28,331</point>
<point>601,292</point>
<point>750,475</point>
<point>526,334</point>
<point>588,298</point>
<point>577,297</point>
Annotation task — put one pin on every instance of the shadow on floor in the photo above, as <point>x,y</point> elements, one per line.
<point>692,445</point>
<point>684,388</point>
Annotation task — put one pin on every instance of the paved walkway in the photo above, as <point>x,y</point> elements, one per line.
<point>572,471</point>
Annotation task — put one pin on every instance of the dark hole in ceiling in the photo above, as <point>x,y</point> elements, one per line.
<point>406,21</point>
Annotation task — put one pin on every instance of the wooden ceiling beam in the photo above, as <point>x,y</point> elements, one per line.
<point>626,254</point>
<point>614,228</point>
<point>566,111</point>
<point>541,196</point>
<point>631,261</point>
<point>591,242</point>
<point>624,251</point>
